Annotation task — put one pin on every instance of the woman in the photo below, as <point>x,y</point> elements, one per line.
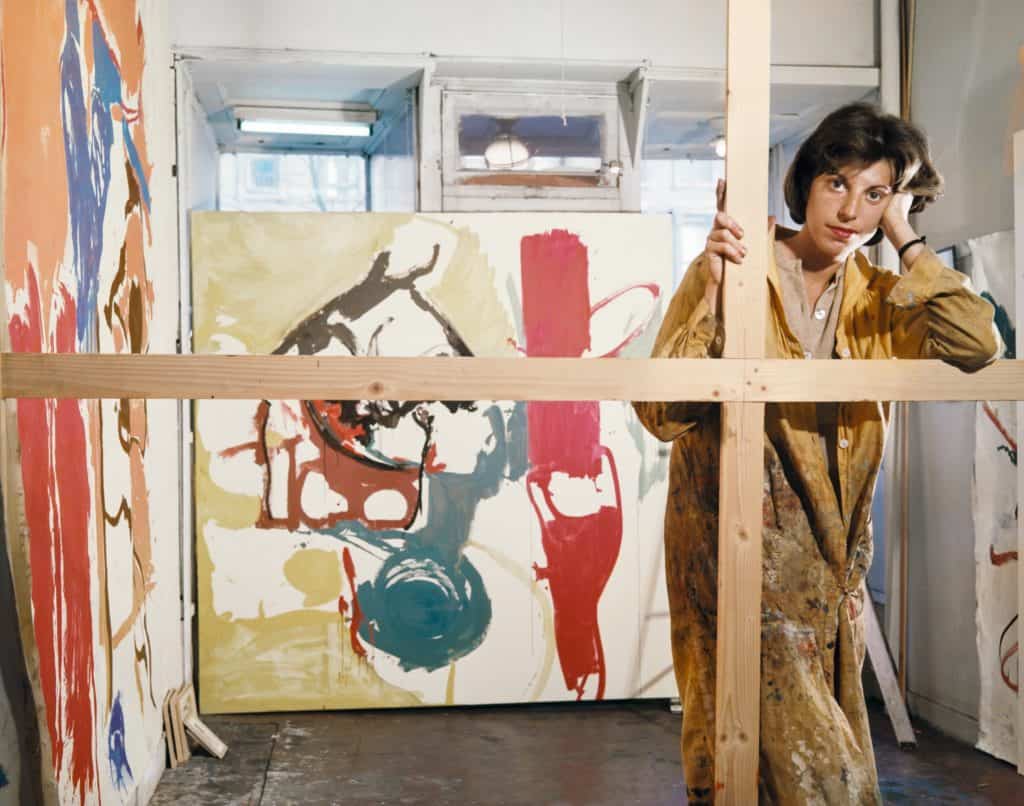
<point>859,174</point>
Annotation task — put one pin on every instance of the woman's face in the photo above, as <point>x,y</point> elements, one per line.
<point>845,208</point>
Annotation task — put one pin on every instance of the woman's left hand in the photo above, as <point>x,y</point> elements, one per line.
<point>896,219</point>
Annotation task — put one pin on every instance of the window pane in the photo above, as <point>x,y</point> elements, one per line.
<point>531,143</point>
<point>292,182</point>
<point>686,189</point>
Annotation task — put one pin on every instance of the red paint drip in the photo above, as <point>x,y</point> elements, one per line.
<point>565,438</point>
<point>357,611</point>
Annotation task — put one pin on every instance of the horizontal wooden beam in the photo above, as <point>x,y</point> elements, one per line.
<point>252,377</point>
<point>848,380</point>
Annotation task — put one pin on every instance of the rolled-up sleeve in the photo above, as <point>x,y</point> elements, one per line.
<point>938,315</point>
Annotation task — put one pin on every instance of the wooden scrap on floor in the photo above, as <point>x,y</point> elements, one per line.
<point>881,662</point>
<point>178,726</point>
<point>169,735</point>
<point>198,729</point>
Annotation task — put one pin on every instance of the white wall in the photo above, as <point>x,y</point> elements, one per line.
<point>964,94</point>
<point>687,33</point>
<point>967,95</point>
<point>943,679</point>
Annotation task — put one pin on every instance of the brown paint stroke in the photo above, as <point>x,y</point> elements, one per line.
<point>1002,557</point>
<point>127,314</point>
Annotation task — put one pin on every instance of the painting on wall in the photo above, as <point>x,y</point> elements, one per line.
<point>400,553</point>
<point>88,249</point>
<point>995,516</point>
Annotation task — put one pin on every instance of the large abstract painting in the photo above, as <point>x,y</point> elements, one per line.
<point>88,248</point>
<point>995,517</point>
<point>396,553</point>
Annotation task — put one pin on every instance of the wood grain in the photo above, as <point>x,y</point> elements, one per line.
<point>252,377</point>
<point>738,645</point>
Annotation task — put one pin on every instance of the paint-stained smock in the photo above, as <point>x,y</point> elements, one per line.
<point>815,739</point>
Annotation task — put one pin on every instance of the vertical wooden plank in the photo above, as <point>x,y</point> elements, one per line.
<point>184,110</point>
<point>428,143</point>
<point>889,39</point>
<point>737,700</point>
<point>1018,216</point>
<point>881,662</point>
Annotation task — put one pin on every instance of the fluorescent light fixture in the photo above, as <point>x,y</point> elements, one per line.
<point>313,121</point>
<point>323,128</point>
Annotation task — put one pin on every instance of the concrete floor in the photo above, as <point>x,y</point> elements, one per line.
<point>614,753</point>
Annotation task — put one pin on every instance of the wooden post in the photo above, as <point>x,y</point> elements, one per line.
<point>1018,206</point>
<point>738,671</point>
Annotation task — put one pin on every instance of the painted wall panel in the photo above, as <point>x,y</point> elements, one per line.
<point>89,265</point>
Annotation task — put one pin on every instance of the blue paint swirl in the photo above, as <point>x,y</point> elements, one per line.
<point>425,611</point>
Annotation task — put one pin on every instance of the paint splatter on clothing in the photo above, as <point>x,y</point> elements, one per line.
<point>815,739</point>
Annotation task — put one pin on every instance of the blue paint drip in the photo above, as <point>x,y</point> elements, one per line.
<point>120,771</point>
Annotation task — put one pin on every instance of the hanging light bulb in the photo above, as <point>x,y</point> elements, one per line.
<point>505,153</point>
<point>719,145</point>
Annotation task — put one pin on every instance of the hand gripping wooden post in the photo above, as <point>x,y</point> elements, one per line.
<point>741,461</point>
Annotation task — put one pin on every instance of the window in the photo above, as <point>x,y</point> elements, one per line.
<point>531,143</point>
<point>686,189</point>
<point>539,147</point>
<point>263,173</point>
<point>292,182</point>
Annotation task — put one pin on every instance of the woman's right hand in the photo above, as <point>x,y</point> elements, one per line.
<point>723,241</point>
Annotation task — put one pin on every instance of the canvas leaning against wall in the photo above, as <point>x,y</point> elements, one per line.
<point>995,516</point>
<point>365,554</point>
<point>89,263</point>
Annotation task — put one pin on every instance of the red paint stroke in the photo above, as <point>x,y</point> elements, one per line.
<point>58,511</point>
<point>1003,661</point>
<point>999,426</point>
<point>357,611</point>
<point>655,292</point>
<point>565,438</point>
<point>1000,558</point>
<point>351,478</point>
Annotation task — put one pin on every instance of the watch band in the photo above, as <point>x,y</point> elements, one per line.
<point>908,244</point>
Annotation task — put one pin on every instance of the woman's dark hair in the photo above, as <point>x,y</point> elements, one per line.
<point>860,134</point>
